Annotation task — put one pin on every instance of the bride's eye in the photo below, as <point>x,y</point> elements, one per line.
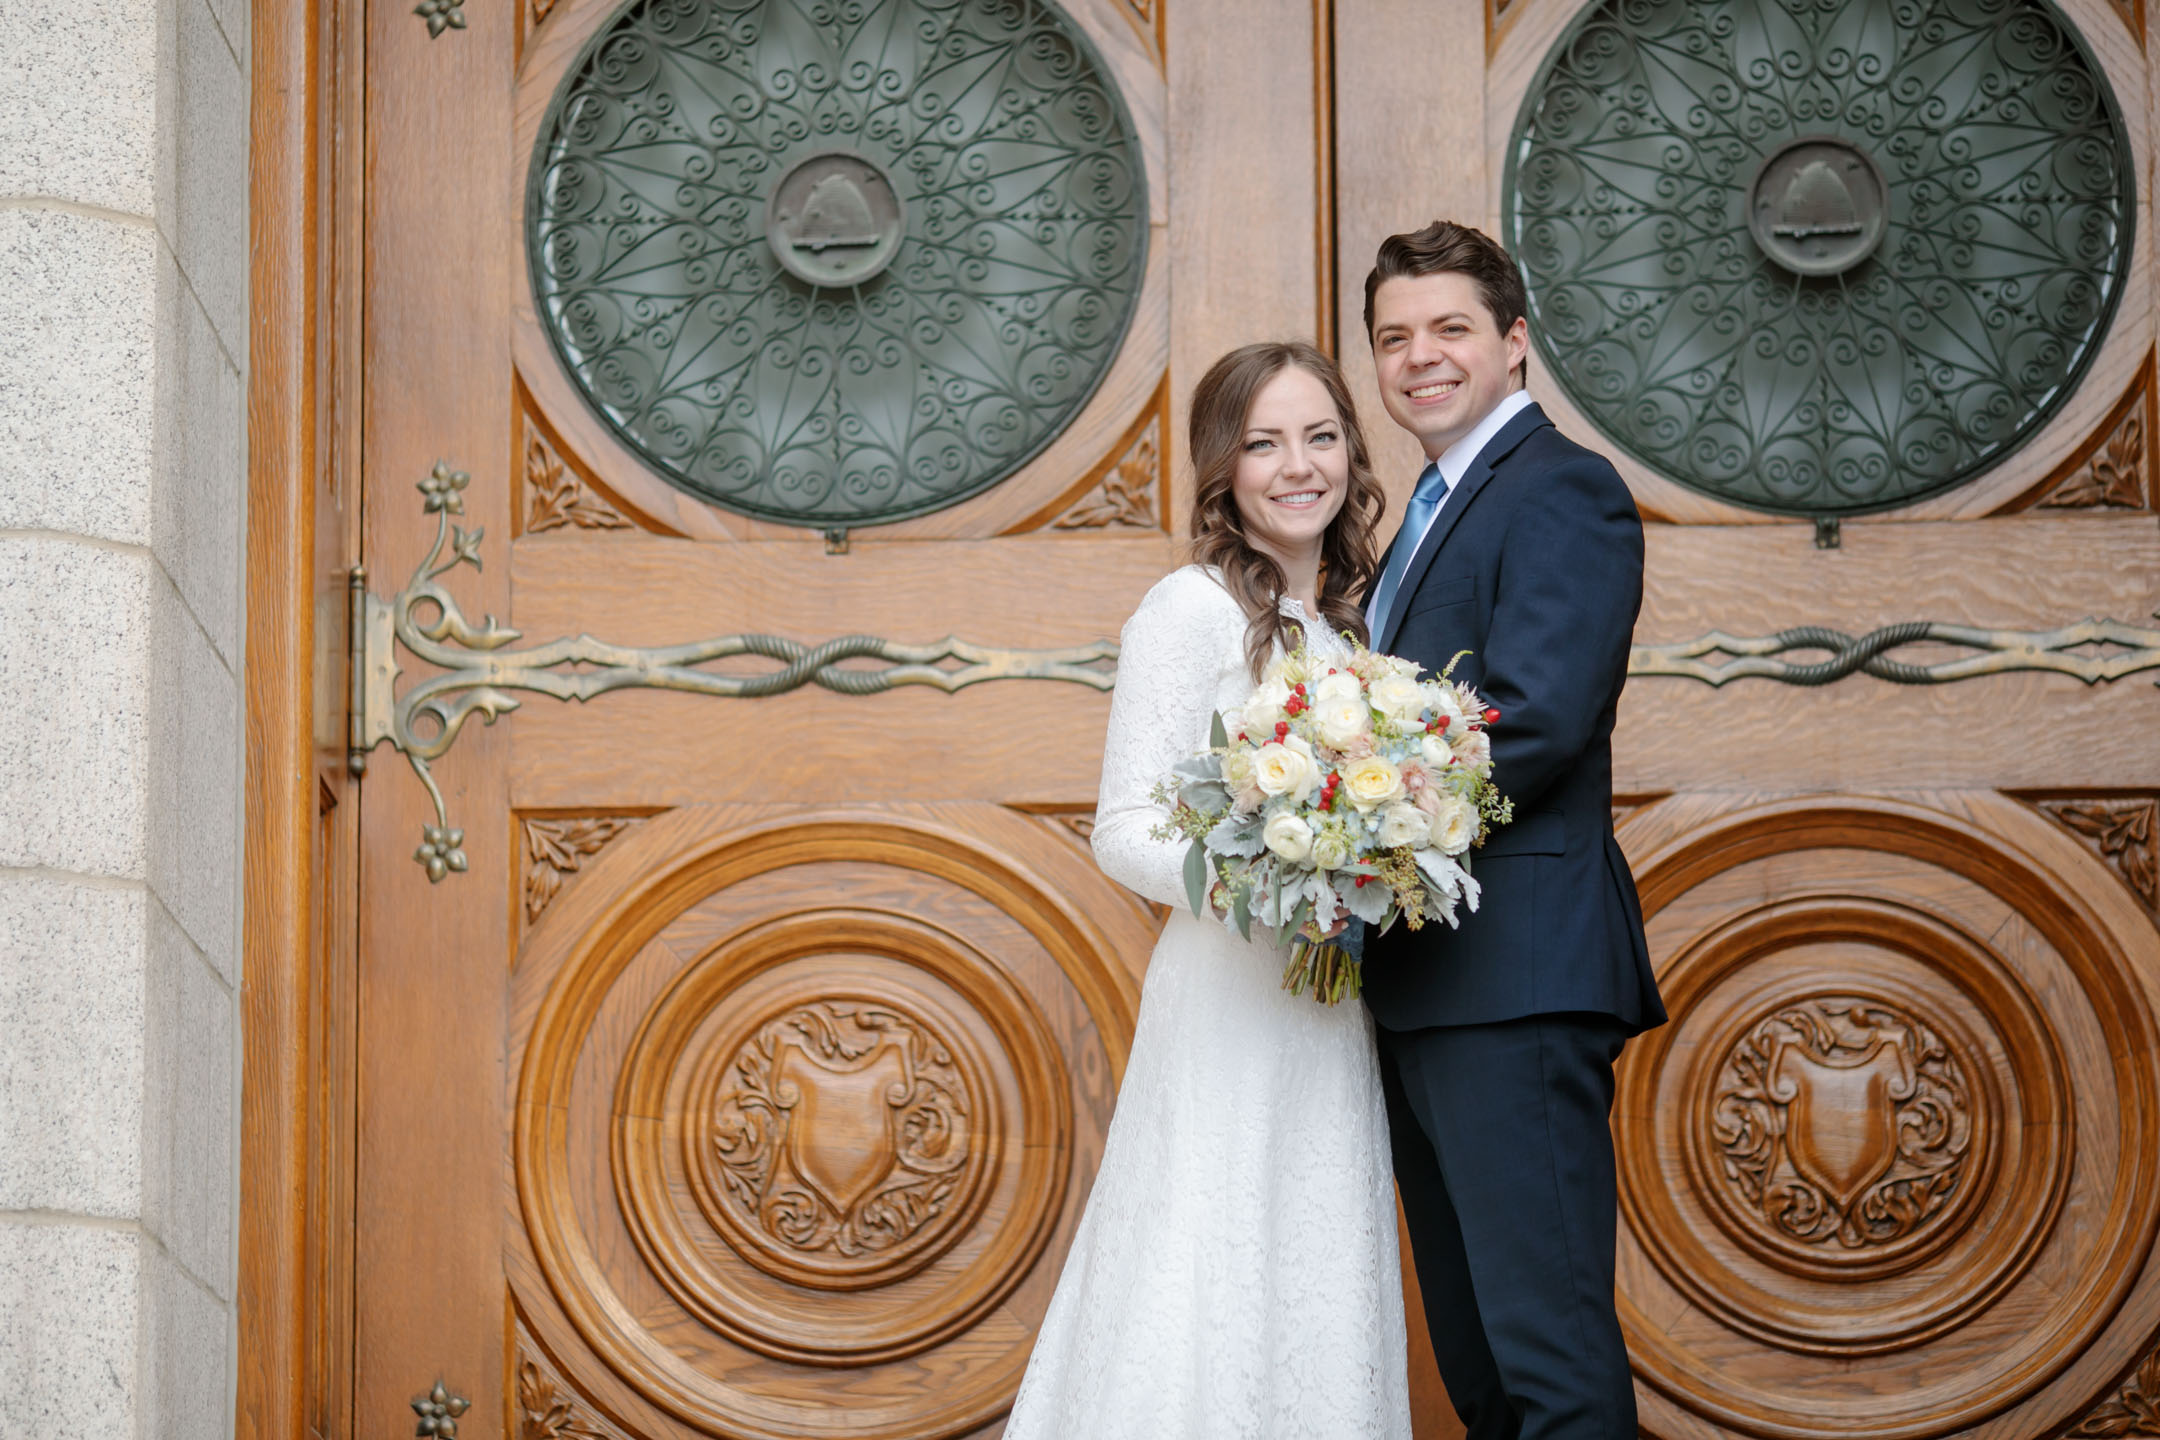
<point>1324,437</point>
<point>1252,445</point>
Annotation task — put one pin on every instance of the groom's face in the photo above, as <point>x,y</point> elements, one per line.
<point>1442,358</point>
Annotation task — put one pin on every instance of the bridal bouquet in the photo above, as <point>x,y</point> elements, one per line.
<point>1339,789</point>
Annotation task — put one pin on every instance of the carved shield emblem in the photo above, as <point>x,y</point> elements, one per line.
<point>1841,1114</point>
<point>1841,1119</point>
<point>845,1130</point>
<point>840,1120</point>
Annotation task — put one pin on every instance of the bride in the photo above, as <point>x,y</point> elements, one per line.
<point>1235,1274</point>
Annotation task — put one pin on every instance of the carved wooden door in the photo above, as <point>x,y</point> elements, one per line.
<point>1890,1171</point>
<point>739,1008</point>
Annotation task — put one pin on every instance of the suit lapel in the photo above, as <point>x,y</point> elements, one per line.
<point>1459,500</point>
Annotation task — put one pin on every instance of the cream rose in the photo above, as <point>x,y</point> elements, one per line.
<point>1265,705</point>
<point>1331,849</point>
<point>1472,747</point>
<point>1290,837</point>
<point>1455,826</point>
<point>1371,783</point>
<point>1337,685</point>
<point>1399,698</point>
<point>1341,719</point>
<point>1436,752</point>
<point>1402,824</point>
<point>1285,769</point>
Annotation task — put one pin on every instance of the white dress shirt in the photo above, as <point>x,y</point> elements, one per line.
<point>1455,462</point>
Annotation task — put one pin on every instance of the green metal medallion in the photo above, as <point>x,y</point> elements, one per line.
<point>837,262</point>
<point>1820,256</point>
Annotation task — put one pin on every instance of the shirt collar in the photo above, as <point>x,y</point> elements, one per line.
<point>1455,461</point>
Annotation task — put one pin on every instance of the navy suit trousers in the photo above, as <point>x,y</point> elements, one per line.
<point>1503,1152</point>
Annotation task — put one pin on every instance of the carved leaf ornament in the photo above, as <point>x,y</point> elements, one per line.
<point>1843,1121</point>
<point>843,1127</point>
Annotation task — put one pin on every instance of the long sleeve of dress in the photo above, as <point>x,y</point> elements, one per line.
<point>1171,662</point>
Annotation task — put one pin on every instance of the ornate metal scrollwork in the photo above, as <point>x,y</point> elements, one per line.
<point>1716,658</point>
<point>478,669</point>
<point>1820,256</point>
<point>836,265</point>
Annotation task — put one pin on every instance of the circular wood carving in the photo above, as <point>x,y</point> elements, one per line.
<point>1903,1116</point>
<point>1843,1129</point>
<point>828,1095</point>
<point>843,1138</point>
<point>806,1103</point>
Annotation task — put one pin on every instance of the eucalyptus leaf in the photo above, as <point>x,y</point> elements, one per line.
<point>1295,921</point>
<point>1241,914</point>
<point>1217,735</point>
<point>1196,877</point>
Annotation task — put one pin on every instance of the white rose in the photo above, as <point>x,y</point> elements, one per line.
<point>1337,685</point>
<point>1441,700</point>
<point>1331,849</point>
<point>1265,705</point>
<point>1472,747</point>
<point>1455,826</point>
<point>1285,769</point>
<point>1398,697</point>
<point>1402,824</point>
<point>1435,752</point>
<point>1290,837</point>
<point>1341,719</point>
<point>1233,723</point>
<point>1371,783</point>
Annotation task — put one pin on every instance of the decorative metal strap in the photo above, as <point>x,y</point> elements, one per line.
<point>479,671</point>
<point>2001,651</point>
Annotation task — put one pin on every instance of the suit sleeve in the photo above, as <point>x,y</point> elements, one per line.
<point>1570,585</point>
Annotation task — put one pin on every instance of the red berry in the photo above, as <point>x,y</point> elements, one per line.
<point>1492,717</point>
<point>1361,881</point>
<point>1442,722</point>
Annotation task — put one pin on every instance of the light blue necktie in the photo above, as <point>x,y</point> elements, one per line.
<point>1417,516</point>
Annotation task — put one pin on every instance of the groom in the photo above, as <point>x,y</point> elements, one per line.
<point>1497,1040</point>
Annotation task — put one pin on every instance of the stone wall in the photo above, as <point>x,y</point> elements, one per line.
<point>123,314</point>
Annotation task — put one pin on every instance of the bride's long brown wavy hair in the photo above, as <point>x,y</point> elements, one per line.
<point>1215,436</point>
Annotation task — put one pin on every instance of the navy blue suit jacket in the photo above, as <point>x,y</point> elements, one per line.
<point>1533,565</point>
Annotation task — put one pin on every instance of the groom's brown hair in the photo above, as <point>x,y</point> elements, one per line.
<point>1447,246</point>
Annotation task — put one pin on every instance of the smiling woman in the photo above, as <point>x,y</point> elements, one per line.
<point>1270,423</point>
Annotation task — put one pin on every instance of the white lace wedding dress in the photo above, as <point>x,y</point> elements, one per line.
<point>1235,1275</point>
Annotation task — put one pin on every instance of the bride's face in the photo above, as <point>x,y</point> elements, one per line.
<point>1293,471</point>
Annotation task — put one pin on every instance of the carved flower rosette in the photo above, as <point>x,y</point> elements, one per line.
<point>842,1137</point>
<point>1842,1132</point>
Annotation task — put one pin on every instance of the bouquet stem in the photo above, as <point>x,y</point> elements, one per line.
<point>1329,970</point>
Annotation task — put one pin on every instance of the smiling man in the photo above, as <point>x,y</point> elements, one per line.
<point>1497,1039</point>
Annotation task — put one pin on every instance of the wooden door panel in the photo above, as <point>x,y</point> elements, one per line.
<point>1890,1170</point>
<point>801,1098</point>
